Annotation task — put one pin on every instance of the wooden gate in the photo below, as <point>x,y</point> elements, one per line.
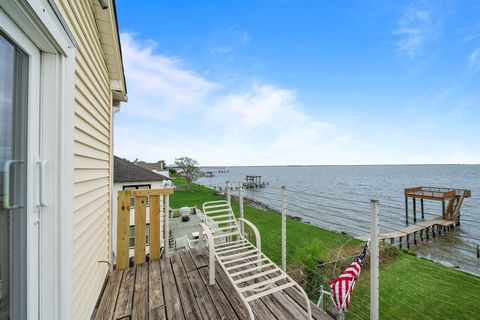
<point>158,199</point>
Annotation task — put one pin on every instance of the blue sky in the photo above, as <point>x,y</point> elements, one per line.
<point>301,82</point>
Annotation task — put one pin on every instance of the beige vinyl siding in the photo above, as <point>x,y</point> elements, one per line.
<point>92,159</point>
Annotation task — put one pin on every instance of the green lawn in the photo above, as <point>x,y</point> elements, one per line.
<point>410,287</point>
<point>415,288</point>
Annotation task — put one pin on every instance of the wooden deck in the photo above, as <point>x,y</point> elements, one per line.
<point>177,288</point>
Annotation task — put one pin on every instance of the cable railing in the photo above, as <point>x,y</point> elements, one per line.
<point>330,212</point>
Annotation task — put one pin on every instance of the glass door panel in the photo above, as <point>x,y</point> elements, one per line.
<point>13,176</point>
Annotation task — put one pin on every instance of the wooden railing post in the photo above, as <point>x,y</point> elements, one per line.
<point>155,227</point>
<point>123,229</point>
<point>140,226</point>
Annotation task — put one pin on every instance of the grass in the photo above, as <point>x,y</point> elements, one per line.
<point>410,287</point>
<point>416,288</point>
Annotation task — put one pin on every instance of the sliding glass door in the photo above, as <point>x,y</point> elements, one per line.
<point>14,74</point>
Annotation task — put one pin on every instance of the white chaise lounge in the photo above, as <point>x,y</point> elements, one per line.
<point>252,273</point>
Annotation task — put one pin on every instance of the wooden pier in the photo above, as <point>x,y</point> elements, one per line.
<point>451,211</point>
<point>254,182</point>
<point>449,219</point>
<point>422,230</point>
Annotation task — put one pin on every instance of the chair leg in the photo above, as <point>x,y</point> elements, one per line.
<point>309,309</point>
<point>250,312</point>
<point>211,266</point>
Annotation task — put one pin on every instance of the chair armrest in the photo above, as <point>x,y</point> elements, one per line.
<point>255,230</point>
<point>202,228</point>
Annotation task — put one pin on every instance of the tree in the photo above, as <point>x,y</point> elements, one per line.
<point>188,169</point>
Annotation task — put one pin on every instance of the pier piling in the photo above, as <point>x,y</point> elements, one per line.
<point>421,208</point>
<point>414,210</point>
<point>406,210</point>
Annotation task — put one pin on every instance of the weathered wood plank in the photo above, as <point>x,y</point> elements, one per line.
<point>140,226</point>
<point>198,259</point>
<point>123,229</point>
<point>140,296</point>
<point>220,300</point>
<point>155,292</point>
<point>189,304</point>
<point>125,295</point>
<point>207,308</point>
<point>157,313</point>
<point>172,299</point>
<point>151,192</point>
<point>284,308</point>
<point>187,260</point>
<point>317,313</point>
<point>155,227</point>
<point>109,297</point>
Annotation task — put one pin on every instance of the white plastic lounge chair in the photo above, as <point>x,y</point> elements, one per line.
<point>252,273</point>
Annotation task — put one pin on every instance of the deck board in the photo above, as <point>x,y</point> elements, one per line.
<point>123,307</point>
<point>172,299</point>
<point>189,304</point>
<point>107,307</point>
<point>140,295</point>
<point>156,301</point>
<point>177,288</point>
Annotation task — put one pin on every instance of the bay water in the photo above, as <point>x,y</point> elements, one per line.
<point>338,198</point>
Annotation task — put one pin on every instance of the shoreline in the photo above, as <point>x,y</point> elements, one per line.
<point>263,206</point>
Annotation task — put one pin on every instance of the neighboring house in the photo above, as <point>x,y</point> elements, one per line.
<point>128,176</point>
<point>157,167</point>
<point>61,78</point>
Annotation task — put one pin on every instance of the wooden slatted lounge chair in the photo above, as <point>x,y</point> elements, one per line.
<point>252,273</point>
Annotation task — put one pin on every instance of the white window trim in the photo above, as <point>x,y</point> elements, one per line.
<point>38,20</point>
<point>13,33</point>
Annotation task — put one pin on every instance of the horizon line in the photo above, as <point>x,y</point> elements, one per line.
<point>344,165</point>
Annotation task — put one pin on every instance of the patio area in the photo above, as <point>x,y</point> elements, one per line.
<point>177,288</point>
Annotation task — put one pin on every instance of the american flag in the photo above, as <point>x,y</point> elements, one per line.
<point>342,286</point>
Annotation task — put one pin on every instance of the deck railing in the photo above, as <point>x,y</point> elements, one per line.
<point>158,199</point>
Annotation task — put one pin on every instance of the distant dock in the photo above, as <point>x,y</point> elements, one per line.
<point>253,182</point>
<point>422,230</point>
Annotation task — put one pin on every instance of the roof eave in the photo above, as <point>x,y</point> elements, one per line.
<point>107,26</point>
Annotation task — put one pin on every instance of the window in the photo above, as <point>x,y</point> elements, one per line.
<point>137,187</point>
<point>132,236</point>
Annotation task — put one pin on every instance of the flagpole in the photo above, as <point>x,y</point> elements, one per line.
<point>374,264</point>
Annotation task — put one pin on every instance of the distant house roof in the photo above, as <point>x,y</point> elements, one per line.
<point>157,166</point>
<point>126,171</point>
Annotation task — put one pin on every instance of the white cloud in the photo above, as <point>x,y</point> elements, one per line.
<point>164,80</point>
<point>419,25</point>
<point>167,101</point>
<point>474,60</point>
<point>173,111</point>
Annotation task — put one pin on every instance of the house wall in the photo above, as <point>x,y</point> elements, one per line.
<point>119,187</point>
<point>92,158</point>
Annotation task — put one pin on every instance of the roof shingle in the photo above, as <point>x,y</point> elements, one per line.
<point>126,171</point>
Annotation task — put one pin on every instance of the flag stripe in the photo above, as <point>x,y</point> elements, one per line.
<point>342,286</point>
